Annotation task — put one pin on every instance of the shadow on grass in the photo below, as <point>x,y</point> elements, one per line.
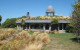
<point>76,39</point>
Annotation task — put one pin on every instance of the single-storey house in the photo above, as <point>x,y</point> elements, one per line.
<point>45,25</point>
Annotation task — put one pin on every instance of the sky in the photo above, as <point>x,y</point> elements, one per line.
<point>18,8</point>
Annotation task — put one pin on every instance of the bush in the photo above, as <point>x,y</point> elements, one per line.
<point>69,29</point>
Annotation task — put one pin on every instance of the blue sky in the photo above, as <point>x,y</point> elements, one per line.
<point>18,8</point>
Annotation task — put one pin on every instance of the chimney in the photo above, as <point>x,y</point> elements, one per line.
<point>27,14</point>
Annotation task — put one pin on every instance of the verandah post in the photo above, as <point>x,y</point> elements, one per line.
<point>44,27</point>
<point>50,27</point>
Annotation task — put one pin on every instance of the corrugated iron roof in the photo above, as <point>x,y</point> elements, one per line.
<point>44,21</point>
<point>36,21</point>
<point>63,21</point>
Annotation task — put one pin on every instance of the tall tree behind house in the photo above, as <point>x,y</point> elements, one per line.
<point>76,18</point>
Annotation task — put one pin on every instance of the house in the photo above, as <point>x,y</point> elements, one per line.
<point>45,24</point>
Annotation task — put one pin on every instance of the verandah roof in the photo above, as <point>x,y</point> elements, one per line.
<point>44,21</point>
<point>36,21</point>
<point>64,21</point>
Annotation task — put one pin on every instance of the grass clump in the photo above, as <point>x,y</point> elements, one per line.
<point>54,32</point>
<point>6,33</point>
<point>26,41</point>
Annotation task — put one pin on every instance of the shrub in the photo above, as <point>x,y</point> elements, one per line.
<point>69,29</point>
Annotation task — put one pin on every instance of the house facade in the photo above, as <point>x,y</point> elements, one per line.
<point>45,25</point>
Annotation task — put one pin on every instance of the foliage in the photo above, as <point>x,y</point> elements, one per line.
<point>21,17</point>
<point>69,29</point>
<point>55,21</point>
<point>9,23</point>
<point>37,18</point>
<point>76,18</point>
<point>22,22</point>
<point>0,19</point>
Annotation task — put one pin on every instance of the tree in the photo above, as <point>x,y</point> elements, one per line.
<point>76,19</point>
<point>9,23</point>
<point>0,19</point>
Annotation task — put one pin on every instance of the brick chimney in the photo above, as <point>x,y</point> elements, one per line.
<point>27,14</point>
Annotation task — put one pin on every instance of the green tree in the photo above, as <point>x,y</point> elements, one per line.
<point>76,19</point>
<point>9,23</point>
<point>0,19</point>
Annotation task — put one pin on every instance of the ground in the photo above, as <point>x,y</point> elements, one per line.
<point>62,42</point>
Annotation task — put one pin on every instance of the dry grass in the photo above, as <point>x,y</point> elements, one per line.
<point>44,38</point>
<point>34,47</point>
<point>26,41</point>
<point>6,33</point>
<point>59,17</point>
<point>1,31</point>
<point>2,43</point>
<point>54,32</point>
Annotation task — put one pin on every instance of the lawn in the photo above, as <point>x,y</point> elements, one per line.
<point>62,42</point>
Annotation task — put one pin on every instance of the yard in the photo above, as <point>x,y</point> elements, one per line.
<point>62,42</point>
<point>66,41</point>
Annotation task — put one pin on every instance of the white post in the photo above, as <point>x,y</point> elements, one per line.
<point>26,26</point>
<point>44,27</point>
<point>62,26</point>
<point>58,27</point>
<point>29,26</point>
<point>49,14</point>
<point>53,14</point>
<point>22,28</point>
<point>17,26</point>
<point>49,27</point>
